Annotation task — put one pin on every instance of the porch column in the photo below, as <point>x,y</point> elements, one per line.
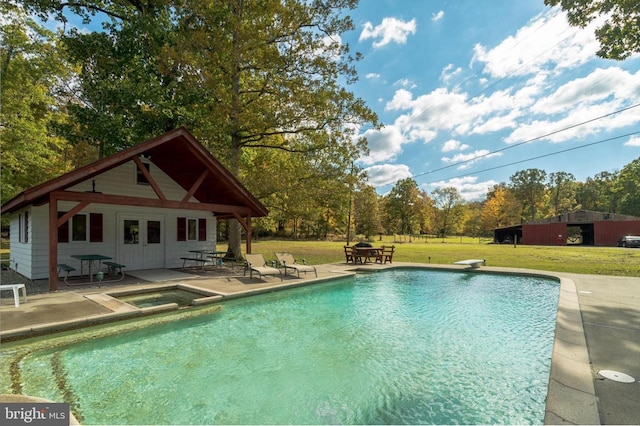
<point>53,243</point>
<point>248,230</point>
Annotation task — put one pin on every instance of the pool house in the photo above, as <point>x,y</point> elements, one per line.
<point>144,207</point>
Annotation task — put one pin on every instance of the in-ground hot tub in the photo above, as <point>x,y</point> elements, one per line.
<point>182,296</point>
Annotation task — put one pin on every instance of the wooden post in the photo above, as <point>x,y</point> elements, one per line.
<point>248,231</point>
<point>53,243</point>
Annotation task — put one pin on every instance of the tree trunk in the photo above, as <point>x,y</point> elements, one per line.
<point>235,240</point>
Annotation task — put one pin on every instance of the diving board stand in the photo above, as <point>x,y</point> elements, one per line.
<point>473,263</point>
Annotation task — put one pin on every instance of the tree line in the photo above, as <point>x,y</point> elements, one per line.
<point>529,195</point>
<point>263,84</point>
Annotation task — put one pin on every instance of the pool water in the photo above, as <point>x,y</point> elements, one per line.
<point>401,347</point>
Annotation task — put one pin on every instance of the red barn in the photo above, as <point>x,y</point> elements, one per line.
<point>579,227</point>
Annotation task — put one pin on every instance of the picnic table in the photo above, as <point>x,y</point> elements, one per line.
<point>90,259</point>
<point>200,257</point>
<point>217,256</point>
<point>365,254</point>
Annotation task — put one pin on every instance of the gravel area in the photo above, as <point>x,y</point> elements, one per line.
<point>33,286</point>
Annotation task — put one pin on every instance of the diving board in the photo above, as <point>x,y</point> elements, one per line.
<point>473,263</point>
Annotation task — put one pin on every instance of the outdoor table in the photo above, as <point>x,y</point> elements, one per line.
<point>199,253</point>
<point>217,256</point>
<point>90,258</point>
<point>366,253</point>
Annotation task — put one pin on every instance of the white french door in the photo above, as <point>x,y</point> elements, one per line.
<point>141,241</point>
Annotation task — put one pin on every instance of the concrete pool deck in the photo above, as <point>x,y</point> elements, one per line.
<point>597,327</point>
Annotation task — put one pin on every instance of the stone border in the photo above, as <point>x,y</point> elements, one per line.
<point>571,397</point>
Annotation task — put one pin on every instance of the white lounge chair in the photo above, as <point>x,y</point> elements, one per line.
<point>256,263</point>
<point>289,262</point>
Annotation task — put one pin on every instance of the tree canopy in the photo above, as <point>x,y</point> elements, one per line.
<point>241,75</point>
<point>618,35</point>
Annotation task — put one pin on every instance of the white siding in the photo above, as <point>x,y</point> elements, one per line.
<point>118,181</point>
<point>20,255</point>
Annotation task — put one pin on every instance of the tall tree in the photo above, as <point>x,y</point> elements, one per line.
<point>31,67</point>
<point>528,186</point>
<point>618,35</point>
<point>627,186</point>
<point>367,216</point>
<point>562,192</point>
<point>448,203</point>
<point>501,208</point>
<point>597,193</point>
<point>241,74</point>
<point>403,206</point>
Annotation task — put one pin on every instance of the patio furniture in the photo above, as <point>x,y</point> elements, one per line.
<point>256,263</point>
<point>115,268</point>
<point>289,262</point>
<point>348,254</point>
<point>385,255</point>
<point>90,259</point>
<point>66,268</point>
<point>199,261</point>
<point>364,254</point>
<point>16,288</point>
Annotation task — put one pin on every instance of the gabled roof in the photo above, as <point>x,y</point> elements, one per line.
<point>178,154</point>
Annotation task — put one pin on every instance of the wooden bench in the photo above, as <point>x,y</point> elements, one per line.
<point>197,260</point>
<point>16,288</point>
<point>66,268</point>
<point>473,263</point>
<point>386,254</point>
<point>115,268</point>
<point>221,261</point>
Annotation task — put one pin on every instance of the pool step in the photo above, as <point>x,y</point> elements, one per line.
<point>111,303</point>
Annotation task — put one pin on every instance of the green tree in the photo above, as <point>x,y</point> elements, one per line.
<point>367,216</point>
<point>618,36</point>
<point>427,212</point>
<point>472,222</point>
<point>240,74</point>
<point>562,192</point>
<point>403,206</point>
<point>501,208</point>
<point>449,210</point>
<point>528,187</point>
<point>626,187</point>
<point>31,68</point>
<point>597,193</point>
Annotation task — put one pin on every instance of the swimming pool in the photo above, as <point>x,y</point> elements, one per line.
<point>394,347</point>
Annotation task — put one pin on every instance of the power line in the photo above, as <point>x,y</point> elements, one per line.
<point>540,156</point>
<point>527,141</point>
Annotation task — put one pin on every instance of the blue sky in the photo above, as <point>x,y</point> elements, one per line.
<point>481,84</point>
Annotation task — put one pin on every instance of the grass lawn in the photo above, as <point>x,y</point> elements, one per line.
<point>576,259</point>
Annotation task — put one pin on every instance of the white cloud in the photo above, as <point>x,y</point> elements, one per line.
<point>384,144</point>
<point>437,16</point>
<point>468,187</point>
<point>547,42</point>
<point>600,85</point>
<point>372,76</point>
<point>385,174</point>
<point>633,141</point>
<point>449,73</point>
<point>468,159</point>
<point>390,30</point>
<point>444,110</point>
<point>602,92</point>
<point>406,83</point>
<point>454,145</point>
